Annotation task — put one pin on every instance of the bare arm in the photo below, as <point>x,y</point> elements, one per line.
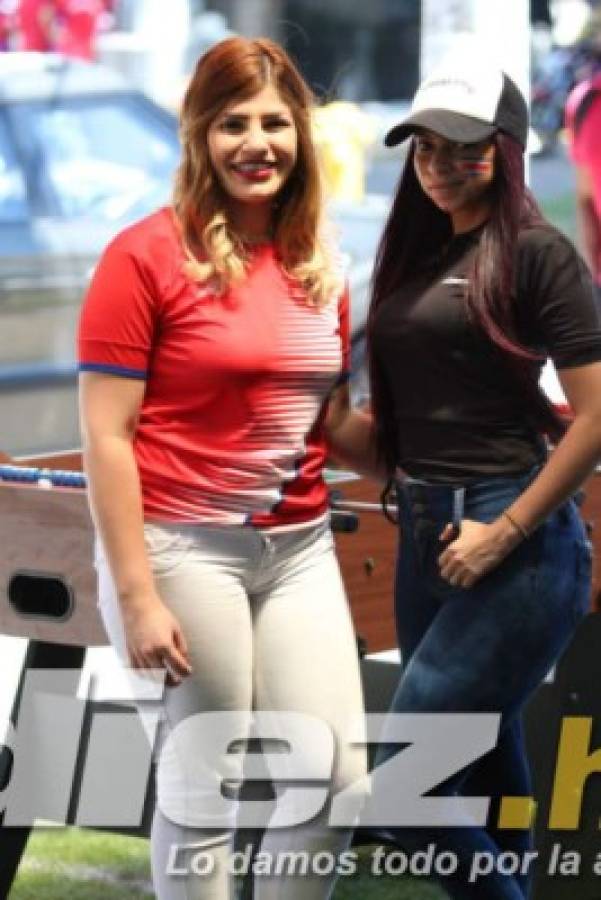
<point>589,226</point>
<point>109,407</point>
<point>576,454</point>
<point>480,547</point>
<point>350,436</point>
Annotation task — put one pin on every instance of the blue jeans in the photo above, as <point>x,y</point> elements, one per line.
<point>483,649</point>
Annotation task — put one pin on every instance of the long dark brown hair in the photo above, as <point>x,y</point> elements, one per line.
<point>416,231</point>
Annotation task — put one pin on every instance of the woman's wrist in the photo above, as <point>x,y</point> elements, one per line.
<point>507,532</point>
<point>516,524</point>
<point>138,598</point>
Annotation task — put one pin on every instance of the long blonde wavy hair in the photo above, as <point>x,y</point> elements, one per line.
<point>237,69</point>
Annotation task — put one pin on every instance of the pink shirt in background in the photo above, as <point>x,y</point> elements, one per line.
<point>584,140</point>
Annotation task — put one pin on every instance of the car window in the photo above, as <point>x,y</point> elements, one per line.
<point>107,158</point>
<point>13,193</point>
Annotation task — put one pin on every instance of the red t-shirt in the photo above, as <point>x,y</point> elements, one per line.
<point>34,29</point>
<point>78,21</point>
<point>63,26</point>
<point>231,425</point>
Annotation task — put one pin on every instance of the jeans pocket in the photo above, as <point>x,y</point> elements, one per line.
<point>583,564</point>
<point>566,566</point>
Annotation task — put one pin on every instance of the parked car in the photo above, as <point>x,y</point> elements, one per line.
<point>81,156</point>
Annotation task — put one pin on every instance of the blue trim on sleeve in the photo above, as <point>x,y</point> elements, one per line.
<point>113,370</point>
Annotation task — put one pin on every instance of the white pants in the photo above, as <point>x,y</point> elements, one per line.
<point>267,626</point>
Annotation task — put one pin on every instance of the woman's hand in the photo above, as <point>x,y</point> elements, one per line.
<point>351,437</point>
<point>155,640</point>
<point>480,547</point>
<point>110,409</point>
<point>477,550</point>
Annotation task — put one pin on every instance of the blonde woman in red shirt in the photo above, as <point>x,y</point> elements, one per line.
<point>211,337</point>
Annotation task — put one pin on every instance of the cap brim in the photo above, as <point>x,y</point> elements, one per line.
<point>451,125</point>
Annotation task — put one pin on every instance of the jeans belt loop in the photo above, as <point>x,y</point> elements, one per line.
<point>458,508</point>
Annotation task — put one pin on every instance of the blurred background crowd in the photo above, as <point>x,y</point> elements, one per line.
<point>348,52</point>
<point>64,26</point>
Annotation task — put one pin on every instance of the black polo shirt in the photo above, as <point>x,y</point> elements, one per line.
<point>459,410</point>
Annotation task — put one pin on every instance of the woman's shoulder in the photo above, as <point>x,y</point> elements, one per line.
<point>550,271</point>
<point>544,238</point>
<point>148,250</point>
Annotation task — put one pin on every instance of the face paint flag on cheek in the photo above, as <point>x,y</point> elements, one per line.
<point>475,166</point>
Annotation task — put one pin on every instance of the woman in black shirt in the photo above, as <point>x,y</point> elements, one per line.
<point>473,291</point>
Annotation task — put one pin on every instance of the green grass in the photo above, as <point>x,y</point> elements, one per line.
<point>74,864</point>
<point>47,885</point>
<point>364,884</point>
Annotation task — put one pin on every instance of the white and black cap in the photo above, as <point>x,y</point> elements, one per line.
<point>465,103</point>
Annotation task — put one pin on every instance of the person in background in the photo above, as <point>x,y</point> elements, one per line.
<point>68,27</point>
<point>212,335</point>
<point>36,25</point>
<point>77,23</point>
<point>473,290</point>
<point>583,127</point>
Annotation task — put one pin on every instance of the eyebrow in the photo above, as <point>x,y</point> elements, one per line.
<point>474,146</point>
<point>241,115</point>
